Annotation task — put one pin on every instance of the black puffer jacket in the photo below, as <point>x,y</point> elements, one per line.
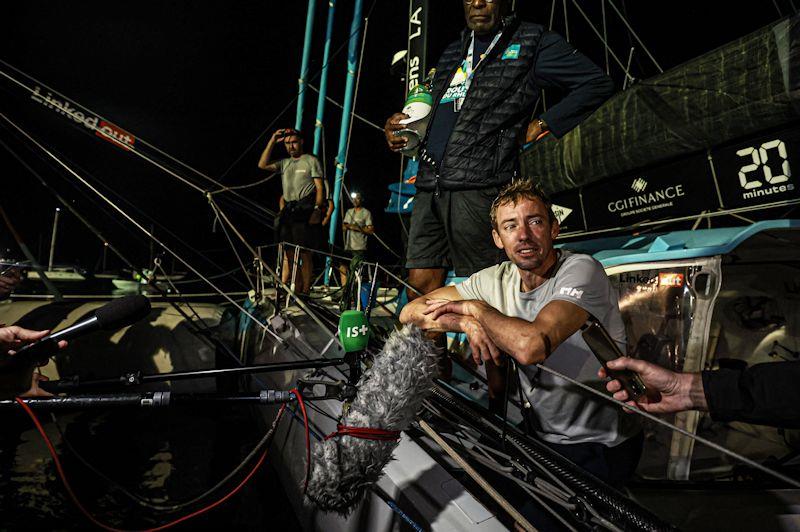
<point>484,144</point>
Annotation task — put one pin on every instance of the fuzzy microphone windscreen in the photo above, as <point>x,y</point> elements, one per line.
<point>389,396</point>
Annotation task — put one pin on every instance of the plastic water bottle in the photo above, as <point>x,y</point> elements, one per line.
<point>418,108</point>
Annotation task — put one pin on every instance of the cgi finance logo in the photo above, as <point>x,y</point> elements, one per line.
<point>765,176</point>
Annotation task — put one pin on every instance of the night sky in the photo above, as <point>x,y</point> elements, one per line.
<point>208,82</point>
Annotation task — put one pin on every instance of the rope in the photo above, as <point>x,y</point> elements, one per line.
<point>478,478</point>
<point>249,185</point>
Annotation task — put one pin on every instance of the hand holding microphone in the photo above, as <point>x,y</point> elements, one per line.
<point>21,350</point>
<point>22,378</point>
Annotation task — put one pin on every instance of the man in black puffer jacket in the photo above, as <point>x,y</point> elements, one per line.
<point>485,90</point>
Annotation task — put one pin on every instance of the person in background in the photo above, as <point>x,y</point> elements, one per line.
<point>303,198</point>
<point>357,225</point>
<point>9,279</point>
<point>764,394</point>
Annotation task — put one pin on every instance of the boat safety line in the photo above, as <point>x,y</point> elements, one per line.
<point>518,517</point>
<point>233,246</point>
<point>788,480</point>
<point>142,228</point>
<point>269,269</point>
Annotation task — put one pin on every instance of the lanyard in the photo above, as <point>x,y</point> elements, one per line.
<point>468,69</point>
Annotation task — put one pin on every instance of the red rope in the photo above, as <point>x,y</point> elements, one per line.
<point>302,404</point>
<point>91,518</point>
<point>365,433</point>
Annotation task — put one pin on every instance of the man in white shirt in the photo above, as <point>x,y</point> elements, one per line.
<point>531,308</point>
<point>356,226</point>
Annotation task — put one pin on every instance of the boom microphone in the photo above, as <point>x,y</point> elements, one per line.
<point>110,317</point>
<point>389,396</point>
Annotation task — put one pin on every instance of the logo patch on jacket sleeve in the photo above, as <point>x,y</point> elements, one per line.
<point>512,52</point>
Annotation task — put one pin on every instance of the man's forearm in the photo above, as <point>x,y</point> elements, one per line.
<point>514,336</point>
<point>414,313</point>
<point>266,155</point>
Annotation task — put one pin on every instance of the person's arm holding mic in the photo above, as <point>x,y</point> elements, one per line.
<point>18,380</point>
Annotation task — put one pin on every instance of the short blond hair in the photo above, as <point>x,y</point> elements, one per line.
<point>517,190</point>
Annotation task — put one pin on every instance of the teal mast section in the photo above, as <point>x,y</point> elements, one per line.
<point>323,81</point>
<point>349,92</point>
<point>301,83</point>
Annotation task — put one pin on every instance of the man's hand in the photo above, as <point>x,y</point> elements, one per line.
<point>535,131</point>
<point>465,307</point>
<point>326,220</point>
<point>13,338</point>
<point>279,135</point>
<point>482,346</point>
<point>15,382</point>
<point>393,124</point>
<point>667,391</point>
<point>9,281</point>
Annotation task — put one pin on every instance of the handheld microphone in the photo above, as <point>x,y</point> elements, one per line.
<point>110,317</point>
<point>389,396</point>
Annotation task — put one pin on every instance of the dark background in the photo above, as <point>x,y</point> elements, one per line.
<point>208,82</point>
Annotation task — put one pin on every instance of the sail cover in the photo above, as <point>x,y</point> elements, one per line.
<point>747,86</point>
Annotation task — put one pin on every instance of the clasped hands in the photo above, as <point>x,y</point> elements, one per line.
<point>463,316</point>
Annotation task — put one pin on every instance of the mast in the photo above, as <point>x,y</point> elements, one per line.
<point>301,82</point>
<point>349,93</point>
<point>417,43</point>
<point>323,81</point>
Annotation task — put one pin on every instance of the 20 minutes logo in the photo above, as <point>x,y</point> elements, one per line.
<point>774,173</point>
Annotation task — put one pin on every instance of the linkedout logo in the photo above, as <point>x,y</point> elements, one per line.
<point>101,128</point>
<point>571,292</point>
<point>639,185</point>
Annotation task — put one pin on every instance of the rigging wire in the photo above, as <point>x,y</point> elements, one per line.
<point>656,419</point>
<point>340,106</point>
<point>103,134</point>
<point>635,35</point>
<point>233,246</point>
<point>142,228</point>
<point>600,36</point>
<point>119,198</point>
<point>296,95</point>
